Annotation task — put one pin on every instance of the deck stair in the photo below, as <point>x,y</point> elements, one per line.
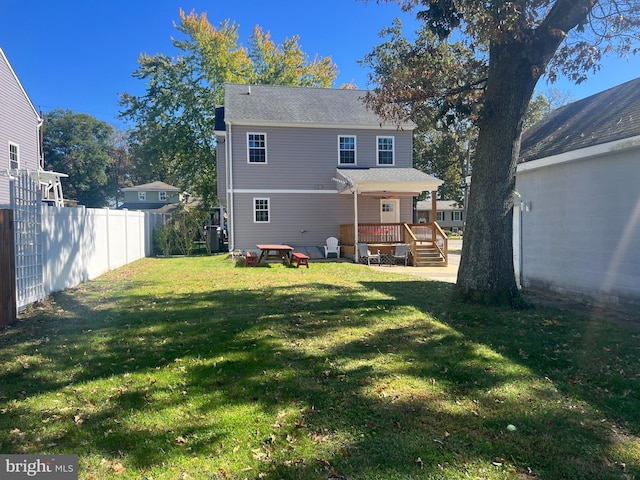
<point>426,255</point>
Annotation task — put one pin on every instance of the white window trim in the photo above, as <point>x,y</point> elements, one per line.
<point>256,210</point>
<point>142,196</point>
<point>13,144</point>
<point>266,155</point>
<point>440,216</point>
<point>393,150</point>
<point>162,196</point>
<point>355,149</point>
<point>456,214</point>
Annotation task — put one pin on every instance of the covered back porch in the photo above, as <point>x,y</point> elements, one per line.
<point>427,242</point>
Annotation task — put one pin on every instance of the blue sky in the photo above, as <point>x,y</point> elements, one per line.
<point>80,54</point>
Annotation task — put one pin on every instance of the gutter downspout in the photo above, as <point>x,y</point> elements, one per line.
<point>41,142</point>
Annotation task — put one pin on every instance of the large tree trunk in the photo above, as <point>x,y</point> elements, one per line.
<point>486,272</point>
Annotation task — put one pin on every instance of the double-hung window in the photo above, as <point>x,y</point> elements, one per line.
<point>257,147</point>
<point>142,196</point>
<point>385,151</point>
<point>439,216</point>
<point>456,216</point>
<point>347,150</point>
<point>14,157</point>
<point>162,196</point>
<point>261,210</point>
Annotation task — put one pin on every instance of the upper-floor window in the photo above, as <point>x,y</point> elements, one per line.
<point>347,150</point>
<point>456,216</point>
<point>257,147</point>
<point>142,196</point>
<point>162,196</point>
<point>385,151</point>
<point>261,210</point>
<point>14,157</point>
<point>439,216</point>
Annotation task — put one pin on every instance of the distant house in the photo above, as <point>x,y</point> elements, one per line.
<point>299,165</point>
<point>156,197</point>
<point>449,214</point>
<point>577,221</point>
<point>20,139</point>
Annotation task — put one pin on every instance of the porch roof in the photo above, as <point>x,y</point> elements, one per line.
<point>386,180</point>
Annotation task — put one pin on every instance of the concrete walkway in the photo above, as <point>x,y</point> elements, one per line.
<point>441,274</point>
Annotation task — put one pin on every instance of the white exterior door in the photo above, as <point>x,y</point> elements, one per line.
<point>390,210</point>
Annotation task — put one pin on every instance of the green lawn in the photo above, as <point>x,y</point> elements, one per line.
<point>194,368</point>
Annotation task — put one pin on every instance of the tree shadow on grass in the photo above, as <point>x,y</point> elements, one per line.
<point>402,384</point>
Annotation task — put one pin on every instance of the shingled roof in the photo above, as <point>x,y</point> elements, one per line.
<point>280,105</point>
<point>601,118</point>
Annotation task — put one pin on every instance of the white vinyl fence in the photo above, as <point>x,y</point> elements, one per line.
<point>80,244</point>
<point>58,248</point>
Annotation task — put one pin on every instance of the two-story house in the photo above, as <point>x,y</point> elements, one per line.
<point>298,165</point>
<point>152,197</point>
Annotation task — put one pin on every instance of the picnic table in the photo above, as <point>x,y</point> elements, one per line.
<point>274,251</point>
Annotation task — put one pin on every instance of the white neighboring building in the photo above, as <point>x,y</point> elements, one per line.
<point>577,223</point>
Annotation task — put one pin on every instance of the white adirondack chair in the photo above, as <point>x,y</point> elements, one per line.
<point>332,247</point>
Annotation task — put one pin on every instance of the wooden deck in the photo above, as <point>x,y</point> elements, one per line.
<point>427,241</point>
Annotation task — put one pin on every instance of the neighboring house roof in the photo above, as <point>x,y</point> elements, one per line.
<point>145,206</point>
<point>153,186</point>
<point>397,180</point>
<point>300,106</point>
<point>601,118</point>
<point>441,205</point>
<point>159,207</point>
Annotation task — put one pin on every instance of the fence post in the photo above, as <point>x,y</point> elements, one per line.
<point>7,270</point>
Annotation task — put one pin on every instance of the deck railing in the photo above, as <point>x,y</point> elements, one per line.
<point>386,235</point>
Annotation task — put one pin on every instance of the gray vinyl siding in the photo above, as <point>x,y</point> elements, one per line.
<point>369,209</point>
<point>297,178</point>
<point>304,219</point>
<point>18,125</point>
<point>299,219</point>
<point>307,158</point>
<point>221,169</point>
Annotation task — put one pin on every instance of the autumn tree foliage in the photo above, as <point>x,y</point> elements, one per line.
<point>173,135</point>
<point>515,43</point>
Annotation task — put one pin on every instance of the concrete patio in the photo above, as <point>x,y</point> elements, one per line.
<point>441,274</point>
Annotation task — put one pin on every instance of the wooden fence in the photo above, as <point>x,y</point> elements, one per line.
<point>7,270</point>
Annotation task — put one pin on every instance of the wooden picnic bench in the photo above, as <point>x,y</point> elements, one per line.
<point>250,259</point>
<point>300,259</point>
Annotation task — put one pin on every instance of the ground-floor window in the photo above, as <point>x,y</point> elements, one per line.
<point>261,210</point>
